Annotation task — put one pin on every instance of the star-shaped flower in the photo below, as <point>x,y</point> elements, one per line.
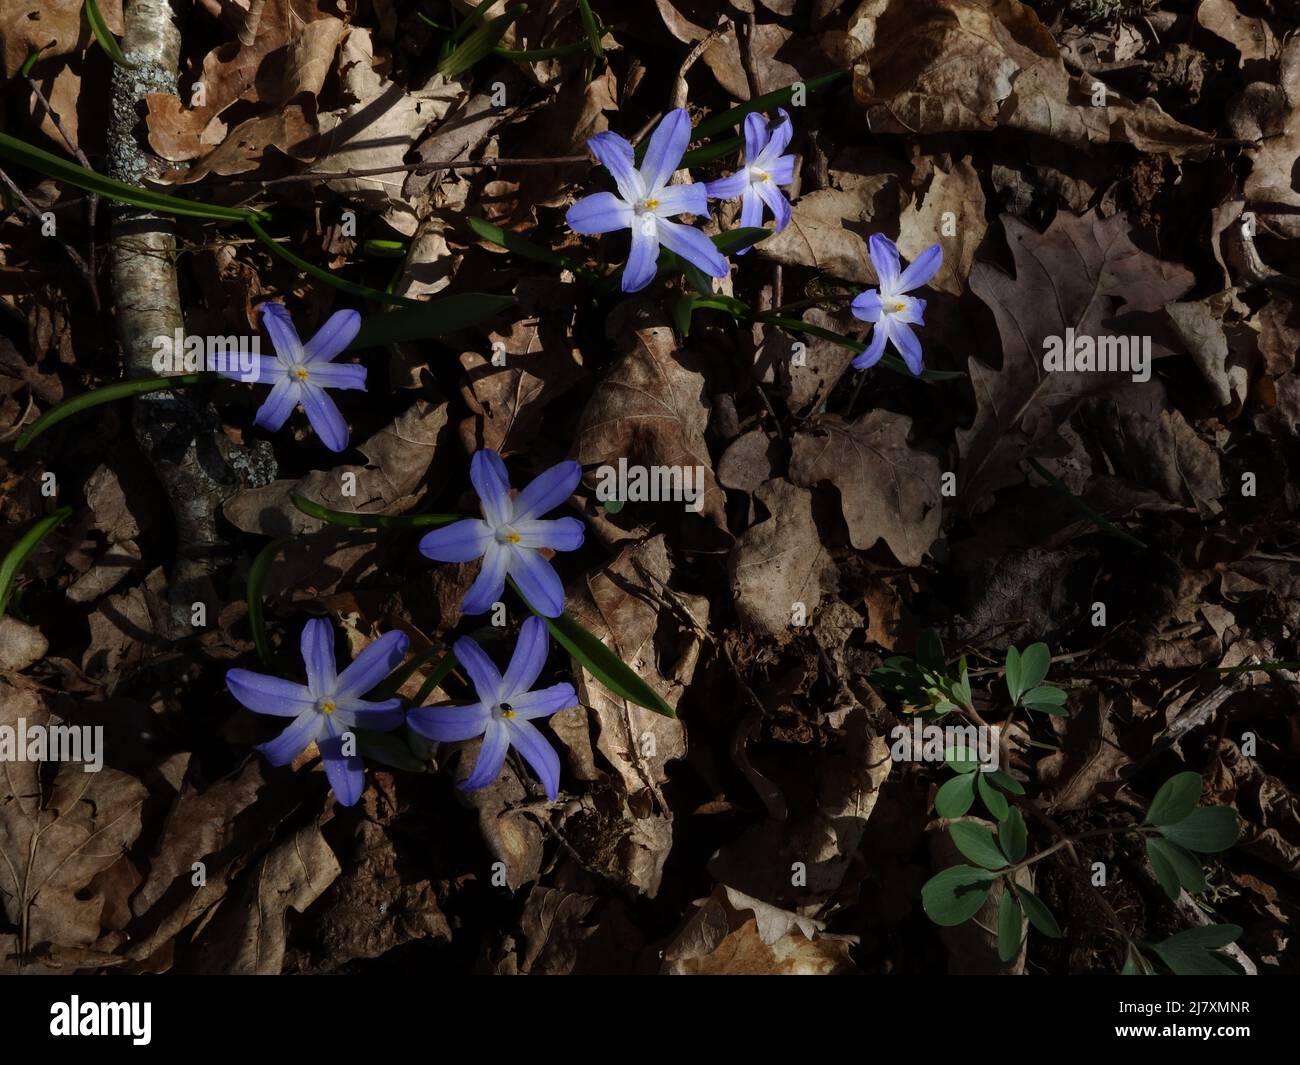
<point>646,201</point>
<point>889,308</point>
<point>505,712</point>
<point>328,706</point>
<point>757,183</point>
<point>511,534</point>
<point>300,373</point>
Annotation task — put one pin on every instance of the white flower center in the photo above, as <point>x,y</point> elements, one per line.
<point>506,535</point>
<point>759,175</point>
<point>326,706</point>
<point>301,373</point>
<point>647,205</point>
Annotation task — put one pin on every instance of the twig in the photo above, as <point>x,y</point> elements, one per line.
<point>407,168</point>
<point>35,212</point>
<point>248,32</point>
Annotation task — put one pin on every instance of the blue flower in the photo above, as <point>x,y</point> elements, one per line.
<point>505,711</point>
<point>646,201</point>
<point>889,308</point>
<point>510,534</point>
<point>328,707</point>
<point>300,373</point>
<point>756,184</point>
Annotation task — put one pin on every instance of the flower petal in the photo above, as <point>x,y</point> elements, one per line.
<point>482,672</point>
<point>382,716</point>
<point>668,143</point>
<point>618,157</point>
<point>317,646</point>
<point>560,534</point>
<point>537,753</point>
<point>325,417</point>
<point>756,137</point>
<point>279,326</point>
<point>782,170</point>
<point>491,757</point>
<point>446,724</point>
<point>922,268</point>
<point>338,375</point>
<point>277,406</point>
<point>682,199</point>
<point>643,259</point>
<point>602,212</point>
<point>867,306</point>
<point>282,750</point>
<point>345,772</point>
<point>547,491</point>
<point>268,695</point>
<point>729,187</point>
<point>528,659</point>
<point>693,246</point>
<point>492,483</point>
<point>263,370</point>
<point>751,209</point>
<point>376,660</point>
<point>876,348</point>
<point>545,701</point>
<point>339,330</point>
<point>780,132</point>
<point>908,345</point>
<point>537,581</point>
<point>461,541</point>
<point>775,199</point>
<point>490,582</point>
<point>913,312</point>
<point>884,260</point>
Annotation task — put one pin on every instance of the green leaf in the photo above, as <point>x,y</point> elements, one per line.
<point>961,765</point>
<point>1192,953</point>
<point>977,843</point>
<point>600,661</point>
<point>26,544</point>
<point>26,69</point>
<point>533,55</point>
<point>513,242</point>
<point>479,44</point>
<point>71,174</point>
<point>685,308</point>
<point>352,520</point>
<point>1038,913</point>
<point>1165,870</point>
<point>1180,867</point>
<point>956,797</point>
<point>1011,920</point>
<point>1176,799</point>
<point>324,276</point>
<point>109,394</point>
<point>1135,964</point>
<point>956,894</point>
<point>105,36</point>
<point>1013,837</point>
<point>1046,699</point>
<point>256,579</point>
<point>993,799</point>
<point>734,240</point>
<point>1014,687</point>
<point>889,360</point>
<point>429,320</point>
<point>1207,831</point>
<point>1035,661</point>
<point>961,687</point>
<point>726,120</point>
<point>384,249</point>
<point>591,28</point>
<point>1005,782</point>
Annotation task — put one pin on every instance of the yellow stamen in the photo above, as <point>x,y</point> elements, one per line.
<point>898,306</point>
<point>513,537</point>
<point>300,372</point>
<point>507,710</point>
<point>762,175</point>
<point>327,707</point>
<point>650,205</point>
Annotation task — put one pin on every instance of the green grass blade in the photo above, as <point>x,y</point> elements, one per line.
<point>105,36</point>
<point>532,55</point>
<point>889,361</point>
<point>256,579</point>
<point>109,394</point>
<point>513,242</point>
<point>430,319</point>
<point>600,661</point>
<point>1078,504</point>
<point>352,520</point>
<point>28,543</point>
<point>479,44</point>
<point>591,27</point>
<point>715,124</point>
<point>71,174</point>
<point>324,276</point>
